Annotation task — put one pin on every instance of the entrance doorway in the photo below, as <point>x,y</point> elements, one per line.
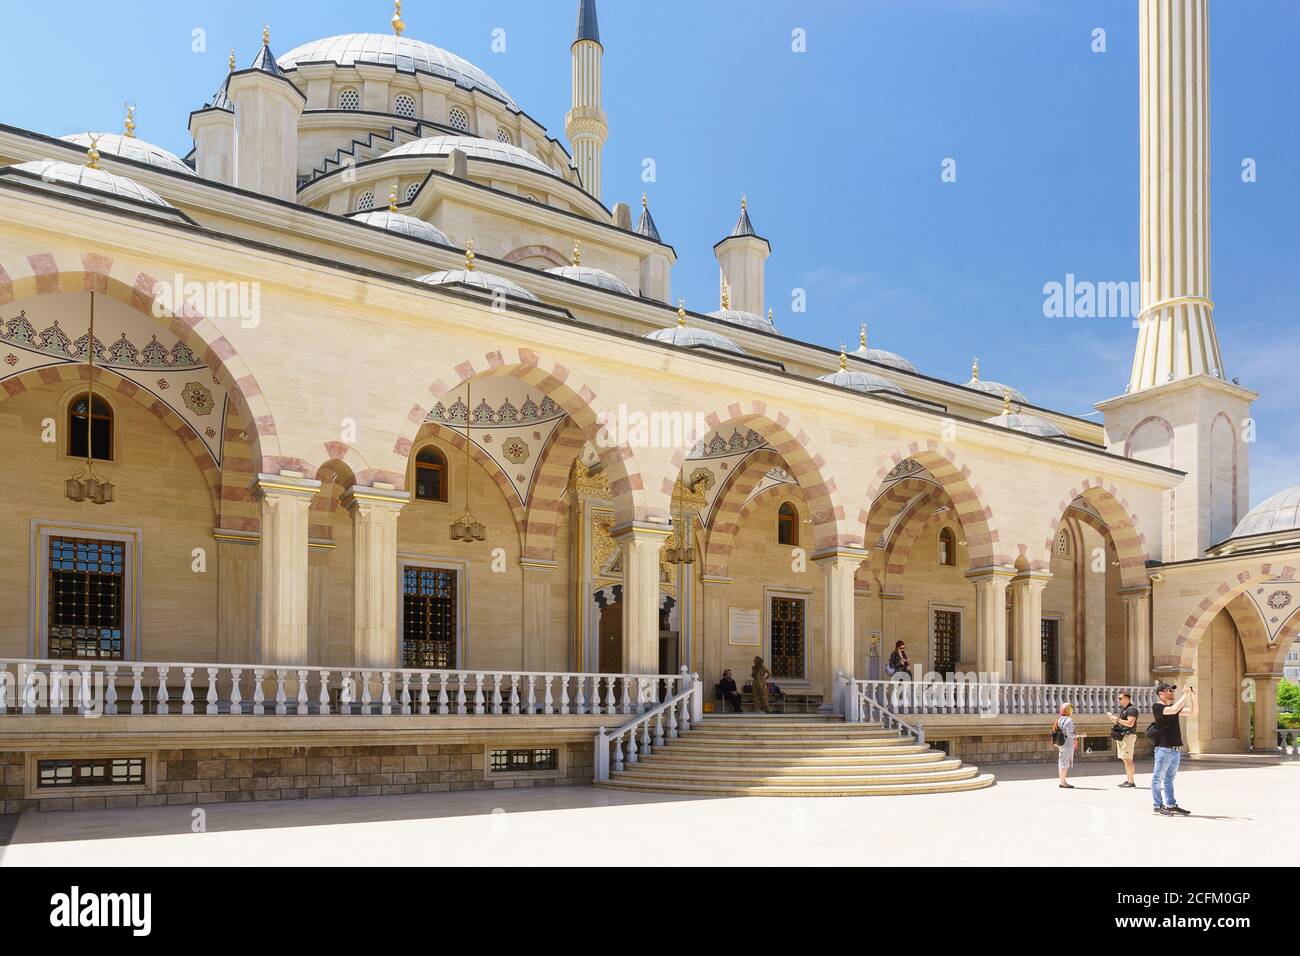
<point>1051,650</point>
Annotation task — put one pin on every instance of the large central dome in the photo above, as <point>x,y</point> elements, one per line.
<point>402,53</point>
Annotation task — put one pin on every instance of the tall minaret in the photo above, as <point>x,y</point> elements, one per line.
<point>1179,409</point>
<point>585,124</point>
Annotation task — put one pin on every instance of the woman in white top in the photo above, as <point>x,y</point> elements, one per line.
<point>1065,758</point>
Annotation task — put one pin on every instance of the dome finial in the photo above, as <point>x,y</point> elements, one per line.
<point>862,336</point>
<point>129,125</point>
<point>266,34</point>
<point>398,24</point>
<point>975,369</point>
<point>645,203</point>
<point>577,252</point>
<point>1006,402</point>
<point>844,359</point>
<point>681,313</point>
<point>743,203</point>
<point>92,154</point>
<point>392,198</point>
<point>231,61</point>
<point>469,255</point>
<point>726,295</point>
<point>769,317</point>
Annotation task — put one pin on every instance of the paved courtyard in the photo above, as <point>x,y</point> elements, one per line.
<point>1240,812</point>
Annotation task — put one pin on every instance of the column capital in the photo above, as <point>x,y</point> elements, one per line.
<point>374,496</point>
<point>283,485</point>
<point>641,531</point>
<point>990,574</point>
<point>713,580</point>
<point>1137,591</point>
<point>1260,675</point>
<point>537,564</point>
<point>841,552</point>
<point>1037,580</point>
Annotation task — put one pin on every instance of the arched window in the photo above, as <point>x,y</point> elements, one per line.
<point>1063,544</point>
<point>101,428</point>
<point>430,475</point>
<point>502,136</point>
<point>947,548</point>
<point>787,525</point>
<point>458,119</point>
<point>366,201</point>
<point>349,99</point>
<point>404,105</point>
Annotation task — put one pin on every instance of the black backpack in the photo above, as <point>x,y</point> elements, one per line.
<point>1058,735</point>
<point>1152,731</point>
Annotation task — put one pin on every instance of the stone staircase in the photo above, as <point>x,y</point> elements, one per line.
<point>810,755</point>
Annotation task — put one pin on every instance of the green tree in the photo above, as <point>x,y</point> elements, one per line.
<point>1288,704</point>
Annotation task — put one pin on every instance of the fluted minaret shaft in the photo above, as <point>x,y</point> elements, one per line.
<point>586,125</point>
<point>1176,337</point>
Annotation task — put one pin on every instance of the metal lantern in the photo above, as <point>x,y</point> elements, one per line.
<point>86,485</point>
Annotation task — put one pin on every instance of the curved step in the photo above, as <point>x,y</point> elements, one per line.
<point>919,755</point>
<point>897,745</point>
<point>978,782</point>
<point>833,783</point>
<point>668,765</point>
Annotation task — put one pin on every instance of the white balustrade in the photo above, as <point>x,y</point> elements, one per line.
<point>683,704</point>
<point>89,688</point>
<point>991,699</point>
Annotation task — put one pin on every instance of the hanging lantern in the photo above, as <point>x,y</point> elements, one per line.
<point>86,485</point>
<point>467,527</point>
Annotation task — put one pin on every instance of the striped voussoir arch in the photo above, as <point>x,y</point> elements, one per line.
<point>728,508</point>
<point>1183,654</point>
<point>1120,523</point>
<point>977,520</point>
<point>435,432</point>
<point>341,453</point>
<point>48,272</point>
<point>804,463</point>
<point>110,380</point>
<point>904,535</point>
<point>552,379</point>
<point>890,503</point>
<point>546,509</point>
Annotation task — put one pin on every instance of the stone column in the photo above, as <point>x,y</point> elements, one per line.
<point>1265,711</point>
<point>716,633</point>
<point>284,501</point>
<point>1137,634</point>
<point>375,586</point>
<point>838,568</point>
<point>640,545</point>
<point>538,577</point>
<point>1027,627</point>
<point>991,620</point>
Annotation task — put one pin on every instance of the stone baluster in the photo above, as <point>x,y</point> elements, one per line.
<point>385,692</point>
<point>301,708</point>
<point>659,729</point>
<point>347,693</point>
<point>366,699</point>
<point>548,702</point>
<point>579,703</point>
<point>56,688</point>
<point>29,689</point>
<point>236,703</point>
<point>631,746</point>
<point>645,737</point>
<point>259,696</point>
<point>442,694</point>
<point>405,697</point>
<point>532,694</point>
<point>514,694</point>
<point>618,752</point>
<point>479,699</point>
<point>424,693</point>
<point>672,721</point>
<point>110,690</point>
<point>496,693</point>
<point>212,691</point>
<point>323,698</point>
<point>595,693</point>
<point>84,700</point>
<point>460,694</point>
<point>631,704</point>
<point>564,694</point>
<point>162,696</point>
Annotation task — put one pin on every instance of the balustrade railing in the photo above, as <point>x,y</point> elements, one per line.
<point>638,737</point>
<point>1288,742</point>
<point>93,688</point>
<point>993,699</point>
<point>860,705</point>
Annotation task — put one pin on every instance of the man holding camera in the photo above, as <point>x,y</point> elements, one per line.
<point>1167,736</point>
<point>1124,733</point>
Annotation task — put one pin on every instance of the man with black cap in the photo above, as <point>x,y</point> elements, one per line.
<point>1168,740</point>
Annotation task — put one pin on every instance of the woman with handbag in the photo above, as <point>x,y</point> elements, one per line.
<point>1063,735</point>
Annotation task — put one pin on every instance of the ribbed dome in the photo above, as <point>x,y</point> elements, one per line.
<point>404,225</point>
<point>860,381</point>
<point>998,389</point>
<point>404,54</point>
<point>589,276</point>
<point>690,338</point>
<point>882,357</point>
<point>97,179</point>
<point>1029,424</point>
<point>1277,514</point>
<point>480,280</point>
<point>128,147</point>
<point>747,320</point>
<point>474,147</point>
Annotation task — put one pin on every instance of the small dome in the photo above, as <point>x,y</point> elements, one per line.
<point>404,54</point>
<point>589,276</point>
<point>746,320</point>
<point>128,147</point>
<point>403,225</point>
<point>882,357</point>
<point>691,338</point>
<point>1029,424</point>
<point>860,381</point>
<point>479,280</point>
<point>998,389</point>
<point>1278,514</point>
<point>100,180</point>
<point>473,147</point>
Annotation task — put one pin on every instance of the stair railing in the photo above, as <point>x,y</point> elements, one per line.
<point>638,737</point>
<point>860,706</point>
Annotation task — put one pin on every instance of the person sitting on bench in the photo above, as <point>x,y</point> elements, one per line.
<point>728,692</point>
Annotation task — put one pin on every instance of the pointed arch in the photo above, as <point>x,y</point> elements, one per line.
<point>1121,526</point>
<point>723,522</point>
<point>433,431</point>
<point>545,510</point>
<point>1183,653</point>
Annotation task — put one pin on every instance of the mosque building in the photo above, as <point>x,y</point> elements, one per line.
<point>366,449</point>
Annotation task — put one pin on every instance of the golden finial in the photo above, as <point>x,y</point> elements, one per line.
<point>92,154</point>
<point>266,34</point>
<point>975,369</point>
<point>862,336</point>
<point>577,252</point>
<point>726,295</point>
<point>681,313</point>
<point>769,317</point>
<point>644,202</point>
<point>392,198</point>
<point>844,359</point>
<point>231,61</point>
<point>469,256</point>
<point>742,202</point>
<point>129,130</point>
<point>1006,403</point>
<point>398,24</point>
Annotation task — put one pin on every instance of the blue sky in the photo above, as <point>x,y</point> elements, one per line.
<point>839,150</point>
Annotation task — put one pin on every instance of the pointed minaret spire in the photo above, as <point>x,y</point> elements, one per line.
<point>646,225</point>
<point>586,125</point>
<point>740,258</point>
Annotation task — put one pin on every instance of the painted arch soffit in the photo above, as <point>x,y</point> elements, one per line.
<point>1277,601</point>
<point>54,329</point>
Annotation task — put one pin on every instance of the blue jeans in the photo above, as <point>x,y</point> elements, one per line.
<point>1162,777</point>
